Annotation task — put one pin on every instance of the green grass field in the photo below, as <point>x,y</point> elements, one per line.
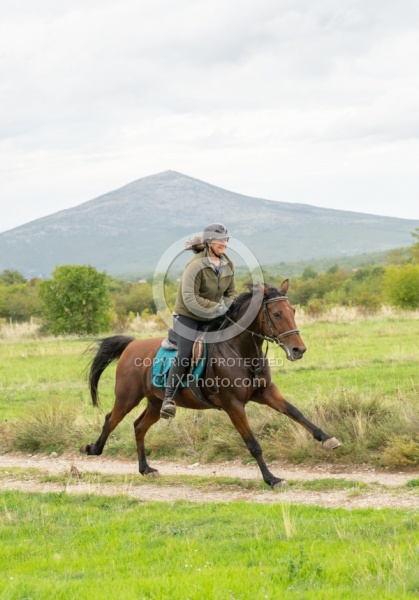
<point>62,547</point>
<point>358,381</point>
<point>41,370</point>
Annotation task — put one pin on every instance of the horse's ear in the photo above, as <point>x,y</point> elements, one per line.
<point>284,286</point>
<point>263,287</point>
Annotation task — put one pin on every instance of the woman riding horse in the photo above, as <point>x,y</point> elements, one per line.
<point>237,374</point>
<point>205,292</point>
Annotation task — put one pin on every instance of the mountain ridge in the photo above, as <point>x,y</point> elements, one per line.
<point>127,229</point>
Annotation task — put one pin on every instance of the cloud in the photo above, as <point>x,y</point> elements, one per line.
<point>100,93</point>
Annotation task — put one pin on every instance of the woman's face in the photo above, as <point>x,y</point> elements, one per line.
<point>219,246</point>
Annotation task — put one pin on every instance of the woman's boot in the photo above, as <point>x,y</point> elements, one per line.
<point>174,378</point>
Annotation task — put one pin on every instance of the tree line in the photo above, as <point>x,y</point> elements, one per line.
<point>79,299</point>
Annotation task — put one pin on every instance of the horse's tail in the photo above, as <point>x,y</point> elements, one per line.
<point>109,349</point>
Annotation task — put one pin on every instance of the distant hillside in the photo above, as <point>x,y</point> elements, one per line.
<point>127,230</point>
<point>293,269</point>
<point>321,265</point>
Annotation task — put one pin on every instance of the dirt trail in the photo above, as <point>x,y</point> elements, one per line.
<point>384,489</point>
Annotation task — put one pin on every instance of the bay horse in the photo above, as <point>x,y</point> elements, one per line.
<point>274,321</point>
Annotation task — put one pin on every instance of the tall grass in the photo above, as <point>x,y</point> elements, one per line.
<point>51,427</point>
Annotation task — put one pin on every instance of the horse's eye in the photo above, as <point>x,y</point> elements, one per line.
<point>277,314</point>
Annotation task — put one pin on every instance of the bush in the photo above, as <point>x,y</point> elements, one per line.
<point>50,427</point>
<point>401,451</point>
<point>402,286</point>
<point>19,301</point>
<point>76,301</point>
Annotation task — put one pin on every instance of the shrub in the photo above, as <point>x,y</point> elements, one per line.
<point>50,427</point>
<point>402,286</point>
<point>76,301</point>
<point>401,451</point>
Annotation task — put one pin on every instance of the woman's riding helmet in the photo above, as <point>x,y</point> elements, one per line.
<point>215,231</point>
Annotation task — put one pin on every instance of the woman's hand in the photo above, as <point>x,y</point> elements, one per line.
<point>221,310</point>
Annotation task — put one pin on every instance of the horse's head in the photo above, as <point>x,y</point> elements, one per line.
<point>265,313</point>
<point>276,320</point>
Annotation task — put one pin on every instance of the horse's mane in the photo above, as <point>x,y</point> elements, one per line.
<point>269,291</point>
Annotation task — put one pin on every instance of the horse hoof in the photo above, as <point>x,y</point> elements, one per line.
<point>85,449</point>
<point>331,444</point>
<point>280,484</point>
<point>152,473</point>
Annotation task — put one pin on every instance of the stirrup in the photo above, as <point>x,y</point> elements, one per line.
<point>168,409</point>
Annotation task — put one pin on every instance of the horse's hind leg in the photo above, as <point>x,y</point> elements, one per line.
<point>238,417</point>
<point>125,401</point>
<point>150,416</point>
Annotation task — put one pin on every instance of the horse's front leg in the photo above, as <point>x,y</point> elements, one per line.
<point>273,397</point>
<point>238,417</point>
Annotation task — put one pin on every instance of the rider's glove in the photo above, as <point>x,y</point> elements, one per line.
<point>221,310</point>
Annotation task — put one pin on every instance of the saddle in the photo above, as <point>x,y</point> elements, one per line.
<point>167,354</point>
<point>198,348</point>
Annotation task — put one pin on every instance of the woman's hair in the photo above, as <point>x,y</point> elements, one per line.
<point>195,244</point>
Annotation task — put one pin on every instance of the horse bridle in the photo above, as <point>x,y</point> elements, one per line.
<point>271,327</point>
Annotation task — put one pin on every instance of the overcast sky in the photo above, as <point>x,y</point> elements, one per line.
<point>310,101</point>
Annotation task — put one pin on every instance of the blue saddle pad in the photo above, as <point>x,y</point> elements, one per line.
<point>163,360</point>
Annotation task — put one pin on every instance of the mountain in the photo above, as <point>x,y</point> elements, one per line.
<point>129,229</point>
